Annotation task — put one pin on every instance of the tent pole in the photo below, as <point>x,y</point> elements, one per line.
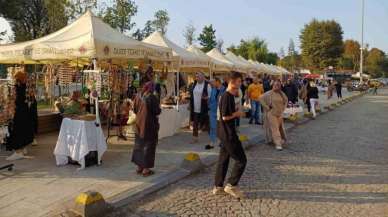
<point>177,89</point>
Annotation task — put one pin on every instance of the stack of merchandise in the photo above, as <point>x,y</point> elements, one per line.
<point>7,108</point>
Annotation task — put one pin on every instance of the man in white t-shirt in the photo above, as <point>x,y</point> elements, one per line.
<point>199,92</point>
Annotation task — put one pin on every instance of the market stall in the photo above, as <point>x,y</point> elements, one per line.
<point>87,43</point>
<point>184,62</point>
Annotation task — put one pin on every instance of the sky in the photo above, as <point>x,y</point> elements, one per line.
<point>276,21</point>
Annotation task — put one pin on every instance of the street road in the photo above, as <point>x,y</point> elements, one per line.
<point>334,166</point>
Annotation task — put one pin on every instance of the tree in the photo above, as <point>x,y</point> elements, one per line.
<point>291,48</point>
<point>351,57</point>
<point>207,38</point>
<point>189,34</point>
<point>255,49</point>
<point>282,53</point>
<point>120,14</point>
<point>148,29</point>
<point>31,19</point>
<point>138,35</point>
<point>161,21</point>
<point>75,8</point>
<point>375,62</point>
<point>321,44</point>
<point>272,58</point>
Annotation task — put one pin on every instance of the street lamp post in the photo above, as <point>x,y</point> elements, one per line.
<point>362,40</point>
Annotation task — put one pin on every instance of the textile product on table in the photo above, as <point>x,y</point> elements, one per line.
<point>171,120</point>
<point>76,139</point>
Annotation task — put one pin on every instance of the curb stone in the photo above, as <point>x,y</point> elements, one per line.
<point>178,174</point>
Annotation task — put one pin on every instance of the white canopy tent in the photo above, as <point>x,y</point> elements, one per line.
<point>184,60</point>
<point>86,38</point>
<point>238,65</point>
<point>216,65</point>
<point>221,63</point>
<point>251,67</point>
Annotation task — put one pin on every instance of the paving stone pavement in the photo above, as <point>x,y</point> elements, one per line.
<point>334,166</point>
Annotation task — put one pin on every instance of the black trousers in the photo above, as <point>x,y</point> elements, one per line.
<point>339,93</point>
<point>234,150</point>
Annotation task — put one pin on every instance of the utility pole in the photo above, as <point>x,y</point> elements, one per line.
<point>362,40</point>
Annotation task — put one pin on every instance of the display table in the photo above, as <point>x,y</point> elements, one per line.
<point>76,139</point>
<point>171,120</point>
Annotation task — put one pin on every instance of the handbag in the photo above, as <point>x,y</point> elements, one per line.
<point>131,118</point>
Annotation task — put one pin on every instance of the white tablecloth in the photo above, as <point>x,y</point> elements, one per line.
<point>171,120</point>
<point>76,139</point>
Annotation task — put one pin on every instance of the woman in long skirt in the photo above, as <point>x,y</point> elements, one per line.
<point>22,128</point>
<point>147,110</point>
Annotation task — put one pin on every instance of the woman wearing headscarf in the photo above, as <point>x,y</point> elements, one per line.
<point>147,109</point>
<point>274,103</point>
<point>22,128</point>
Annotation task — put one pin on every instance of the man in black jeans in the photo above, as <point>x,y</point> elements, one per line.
<point>231,146</point>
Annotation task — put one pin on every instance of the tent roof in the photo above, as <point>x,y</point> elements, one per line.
<point>238,64</point>
<point>186,59</point>
<point>87,37</point>
<point>221,63</point>
<point>216,65</point>
<point>251,67</point>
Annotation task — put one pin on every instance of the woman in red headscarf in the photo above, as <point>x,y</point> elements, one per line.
<point>147,110</point>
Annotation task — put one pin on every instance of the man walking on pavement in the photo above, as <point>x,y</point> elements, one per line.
<point>231,146</point>
<point>255,90</point>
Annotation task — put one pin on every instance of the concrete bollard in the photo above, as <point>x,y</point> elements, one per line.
<point>192,162</point>
<point>90,204</point>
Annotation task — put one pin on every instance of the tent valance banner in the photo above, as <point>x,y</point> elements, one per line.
<point>86,38</point>
<point>183,59</point>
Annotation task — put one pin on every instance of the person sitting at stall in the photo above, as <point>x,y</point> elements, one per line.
<point>217,90</point>
<point>74,106</point>
<point>147,110</point>
<point>22,129</point>
<point>199,95</point>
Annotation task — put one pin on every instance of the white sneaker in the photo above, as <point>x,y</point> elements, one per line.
<point>34,143</point>
<point>217,190</point>
<point>25,151</point>
<point>279,147</point>
<point>15,156</point>
<point>234,191</point>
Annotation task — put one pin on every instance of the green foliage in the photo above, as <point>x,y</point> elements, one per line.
<point>207,39</point>
<point>255,49</point>
<point>120,14</point>
<point>75,8</point>
<point>321,44</point>
<point>161,21</point>
<point>30,19</point>
<point>351,57</point>
<point>145,32</point>
<point>375,62</point>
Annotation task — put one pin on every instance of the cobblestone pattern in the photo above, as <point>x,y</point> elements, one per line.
<point>335,166</point>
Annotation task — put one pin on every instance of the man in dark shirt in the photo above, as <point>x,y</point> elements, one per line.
<point>231,146</point>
